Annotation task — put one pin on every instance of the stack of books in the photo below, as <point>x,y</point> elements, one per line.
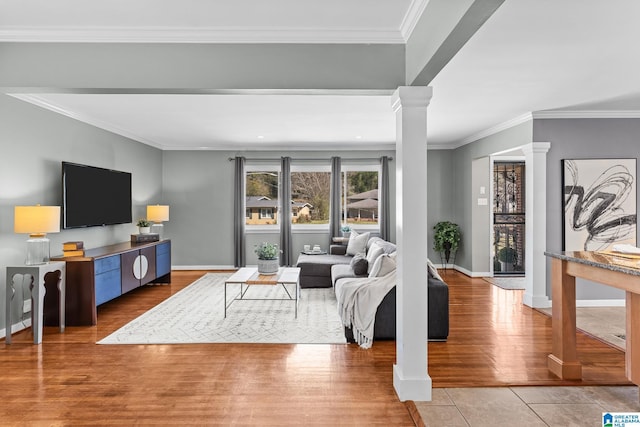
<point>73,249</point>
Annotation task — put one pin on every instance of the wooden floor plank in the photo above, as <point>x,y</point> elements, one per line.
<point>494,341</point>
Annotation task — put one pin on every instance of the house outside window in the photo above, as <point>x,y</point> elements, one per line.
<point>360,197</point>
<point>262,190</point>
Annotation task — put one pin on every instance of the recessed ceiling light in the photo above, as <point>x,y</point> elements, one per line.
<point>260,136</point>
<point>358,136</point>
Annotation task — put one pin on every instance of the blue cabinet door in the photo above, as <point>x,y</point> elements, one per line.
<point>107,279</point>
<point>163,259</point>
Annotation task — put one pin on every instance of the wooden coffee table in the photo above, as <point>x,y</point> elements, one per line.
<point>249,276</point>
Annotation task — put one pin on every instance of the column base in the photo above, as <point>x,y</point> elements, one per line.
<point>416,389</point>
<point>534,301</point>
<point>564,370</point>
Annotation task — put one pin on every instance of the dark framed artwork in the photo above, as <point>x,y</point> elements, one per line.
<point>599,203</point>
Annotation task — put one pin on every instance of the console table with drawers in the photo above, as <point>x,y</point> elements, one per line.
<point>106,272</point>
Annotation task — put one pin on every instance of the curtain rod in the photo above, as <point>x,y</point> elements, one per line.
<point>310,159</point>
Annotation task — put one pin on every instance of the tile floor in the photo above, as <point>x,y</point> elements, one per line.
<point>526,406</point>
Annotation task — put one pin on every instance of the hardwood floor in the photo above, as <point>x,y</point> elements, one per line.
<point>68,379</point>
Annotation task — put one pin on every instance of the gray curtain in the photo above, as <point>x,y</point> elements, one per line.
<point>383,215</point>
<point>239,207</point>
<point>335,203</point>
<point>286,257</point>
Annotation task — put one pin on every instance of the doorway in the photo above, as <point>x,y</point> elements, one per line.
<point>509,218</point>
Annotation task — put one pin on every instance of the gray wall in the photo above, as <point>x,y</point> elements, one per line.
<point>33,143</point>
<point>476,236</point>
<point>200,186</point>
<point>582,139</point>
<point>440,193</point>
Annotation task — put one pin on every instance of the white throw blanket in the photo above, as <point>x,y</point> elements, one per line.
<point>358,301</point>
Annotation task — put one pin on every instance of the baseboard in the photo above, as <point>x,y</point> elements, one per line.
<point>600,303</point>
<point>472,273</point>
<point>464,270</point>
<point>26,323</point>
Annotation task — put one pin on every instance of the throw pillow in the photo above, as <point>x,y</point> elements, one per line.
<point>383,266</point>
<point>433,271</point>
<point>357,243</point>
<point>372,255</point>
<point>359,265</point>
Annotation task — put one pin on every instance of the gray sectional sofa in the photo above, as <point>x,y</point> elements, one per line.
<point>334,268</point>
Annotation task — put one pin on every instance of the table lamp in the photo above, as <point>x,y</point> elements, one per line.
<point>157,214</point>
<point>37,221</point>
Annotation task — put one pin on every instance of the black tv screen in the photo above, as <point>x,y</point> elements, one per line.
<point>94,196</point>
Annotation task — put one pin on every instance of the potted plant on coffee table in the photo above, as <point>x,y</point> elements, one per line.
<point>268,262</point>
<point>446,239</point>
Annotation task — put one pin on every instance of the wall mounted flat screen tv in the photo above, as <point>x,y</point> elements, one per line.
<point>93,196</point>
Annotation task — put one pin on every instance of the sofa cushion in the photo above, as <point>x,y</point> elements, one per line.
<point>320,265</point>
<point>342,271</point>
<point>359,264</point>
<point>372,255</point>
<point>357,243</point>
<point>382,266</point>
<point>387,246</point>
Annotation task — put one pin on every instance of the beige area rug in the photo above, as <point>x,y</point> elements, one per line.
<point>605,323</point>
<point>196,315</point>
<point>515,283</point>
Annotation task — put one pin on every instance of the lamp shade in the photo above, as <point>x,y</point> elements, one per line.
<point>158,213</point>
<point>36,219</point>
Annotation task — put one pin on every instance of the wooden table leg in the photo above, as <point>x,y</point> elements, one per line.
<point>632,338</point>
<point>563,361</point>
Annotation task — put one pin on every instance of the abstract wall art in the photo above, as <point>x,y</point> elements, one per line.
<point>599,201</point>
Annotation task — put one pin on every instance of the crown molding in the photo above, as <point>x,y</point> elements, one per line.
<point>592,114</point>
<point>201,35</point>
<point>414,12</point>
<point>439,146</point>
<point>333,146</point>
<point>495,129</point>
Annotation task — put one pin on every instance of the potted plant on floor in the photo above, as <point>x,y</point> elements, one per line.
<point>446,239</point>
<point>144,226</point>
<point>268,262</point>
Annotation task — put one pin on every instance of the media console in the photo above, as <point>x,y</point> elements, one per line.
<point>107,272</point>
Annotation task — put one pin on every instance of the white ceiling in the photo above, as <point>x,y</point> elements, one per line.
<point>577,56</point>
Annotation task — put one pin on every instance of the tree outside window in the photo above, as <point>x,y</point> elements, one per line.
<point>310,193</point>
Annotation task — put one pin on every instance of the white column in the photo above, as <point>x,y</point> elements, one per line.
<point>410,376</point>
<point>535,294</point>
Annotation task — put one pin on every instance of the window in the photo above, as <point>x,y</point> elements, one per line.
<point>360,199</point>
<point>266,213</point>
<point>310,194</point>
<point>261,191</point>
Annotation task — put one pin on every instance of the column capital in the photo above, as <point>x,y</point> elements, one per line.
<point>411,96</point>
<point>536,147</point>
